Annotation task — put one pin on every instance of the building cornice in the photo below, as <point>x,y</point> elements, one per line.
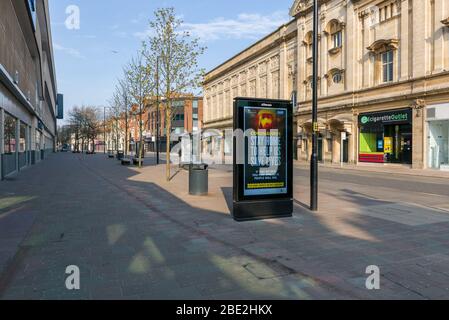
<point>304,7</point>
<point>8,82</point>
<point>383,45</point>
<point>280,36</point>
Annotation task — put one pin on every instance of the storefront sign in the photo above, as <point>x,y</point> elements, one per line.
<point>263,177</point>
<point>387,117</point>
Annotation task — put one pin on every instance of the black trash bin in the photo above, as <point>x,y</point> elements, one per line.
<point>199,180</point>
<point>120,155</point>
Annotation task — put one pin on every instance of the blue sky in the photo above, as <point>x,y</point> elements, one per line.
<point>89,60</point>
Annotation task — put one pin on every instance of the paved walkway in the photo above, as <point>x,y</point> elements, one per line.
<point>135,236</point>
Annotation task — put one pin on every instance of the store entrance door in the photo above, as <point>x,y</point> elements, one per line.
<point>406,148</point>
<point>398,143</point>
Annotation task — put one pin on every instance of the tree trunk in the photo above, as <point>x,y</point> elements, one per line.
<point>168,139</point>
<point>141,141</point>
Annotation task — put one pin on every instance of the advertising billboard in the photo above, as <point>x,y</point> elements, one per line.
<point>265,168</point>
<point>263,158</point>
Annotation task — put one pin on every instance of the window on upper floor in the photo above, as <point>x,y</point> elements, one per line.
<point>337,77</point>
<point>334,34</point>
<point>387,66</point>
<point>32,10</point>
<point>387,11</point>
<point>337,39</point>
<point>308,43</point>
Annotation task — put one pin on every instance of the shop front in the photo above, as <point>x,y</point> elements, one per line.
<point>386,136</point>
<point>438,137</point>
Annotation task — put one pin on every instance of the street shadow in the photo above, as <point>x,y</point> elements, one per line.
<point>301,204</point>
<point>362,199</point>
<point>229,198</point>
<point>143,242</point>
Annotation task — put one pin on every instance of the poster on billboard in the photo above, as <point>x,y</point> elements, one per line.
<point>263,158</point>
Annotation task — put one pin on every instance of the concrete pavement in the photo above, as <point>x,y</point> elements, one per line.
<point>136,236</point>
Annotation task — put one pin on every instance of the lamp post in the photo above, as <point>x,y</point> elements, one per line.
<point>104,127</point>
<point>157,111</point>
<point>104,130</point>
<point>314,160</point>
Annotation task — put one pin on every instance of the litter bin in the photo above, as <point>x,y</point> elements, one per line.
<point>120,155</point>
<point>198,180</point>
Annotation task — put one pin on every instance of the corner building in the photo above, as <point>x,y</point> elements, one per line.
<point>383,81</point>
<point>28,91</point>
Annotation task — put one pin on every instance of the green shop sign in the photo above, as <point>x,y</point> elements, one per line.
<point>387,117</point>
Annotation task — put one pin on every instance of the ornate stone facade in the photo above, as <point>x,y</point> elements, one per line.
<point>374,56</point>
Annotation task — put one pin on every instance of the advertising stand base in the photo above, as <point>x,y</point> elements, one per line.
<point>263,159</point>
<point>259,210</point>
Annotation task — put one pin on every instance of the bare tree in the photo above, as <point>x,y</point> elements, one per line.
<point>122,99</point>
<point>64,135</point>
<point>76,122</point>
<point>115,116</point>
<point>178,54</point>
<point>85,126</point>
<point>140,80</point>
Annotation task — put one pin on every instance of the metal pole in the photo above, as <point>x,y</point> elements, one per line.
<point>157,111</point>
<point>126,127</point>
<point>314,160</point>
<point>104,128</point>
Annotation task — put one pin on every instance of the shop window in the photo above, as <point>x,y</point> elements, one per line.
<point>387,66</point>
<point>23,140</point>
<point>38,140</point>
<point>10,134</point>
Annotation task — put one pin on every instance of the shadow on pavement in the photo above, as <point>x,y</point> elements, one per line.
<point>134,240</point>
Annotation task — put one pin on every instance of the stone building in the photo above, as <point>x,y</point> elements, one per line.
<point>383,80</point>
<point>28,92</point>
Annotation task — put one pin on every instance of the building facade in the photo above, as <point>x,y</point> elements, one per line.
<point>28,91</point>
<point>187,118</point>
<point>383,80</point>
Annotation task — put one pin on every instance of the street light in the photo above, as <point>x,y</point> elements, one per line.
<point>157,110</point>
<point>104,127</point>
<point>314,160</point>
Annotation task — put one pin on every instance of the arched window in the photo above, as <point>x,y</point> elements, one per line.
<point>337,76</point>
<point>334,30</point>
<point>308,43</point>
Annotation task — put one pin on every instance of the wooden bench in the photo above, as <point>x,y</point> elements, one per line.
<point>126,162</point>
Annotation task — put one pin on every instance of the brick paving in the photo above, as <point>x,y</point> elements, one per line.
<point>135,236</point>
